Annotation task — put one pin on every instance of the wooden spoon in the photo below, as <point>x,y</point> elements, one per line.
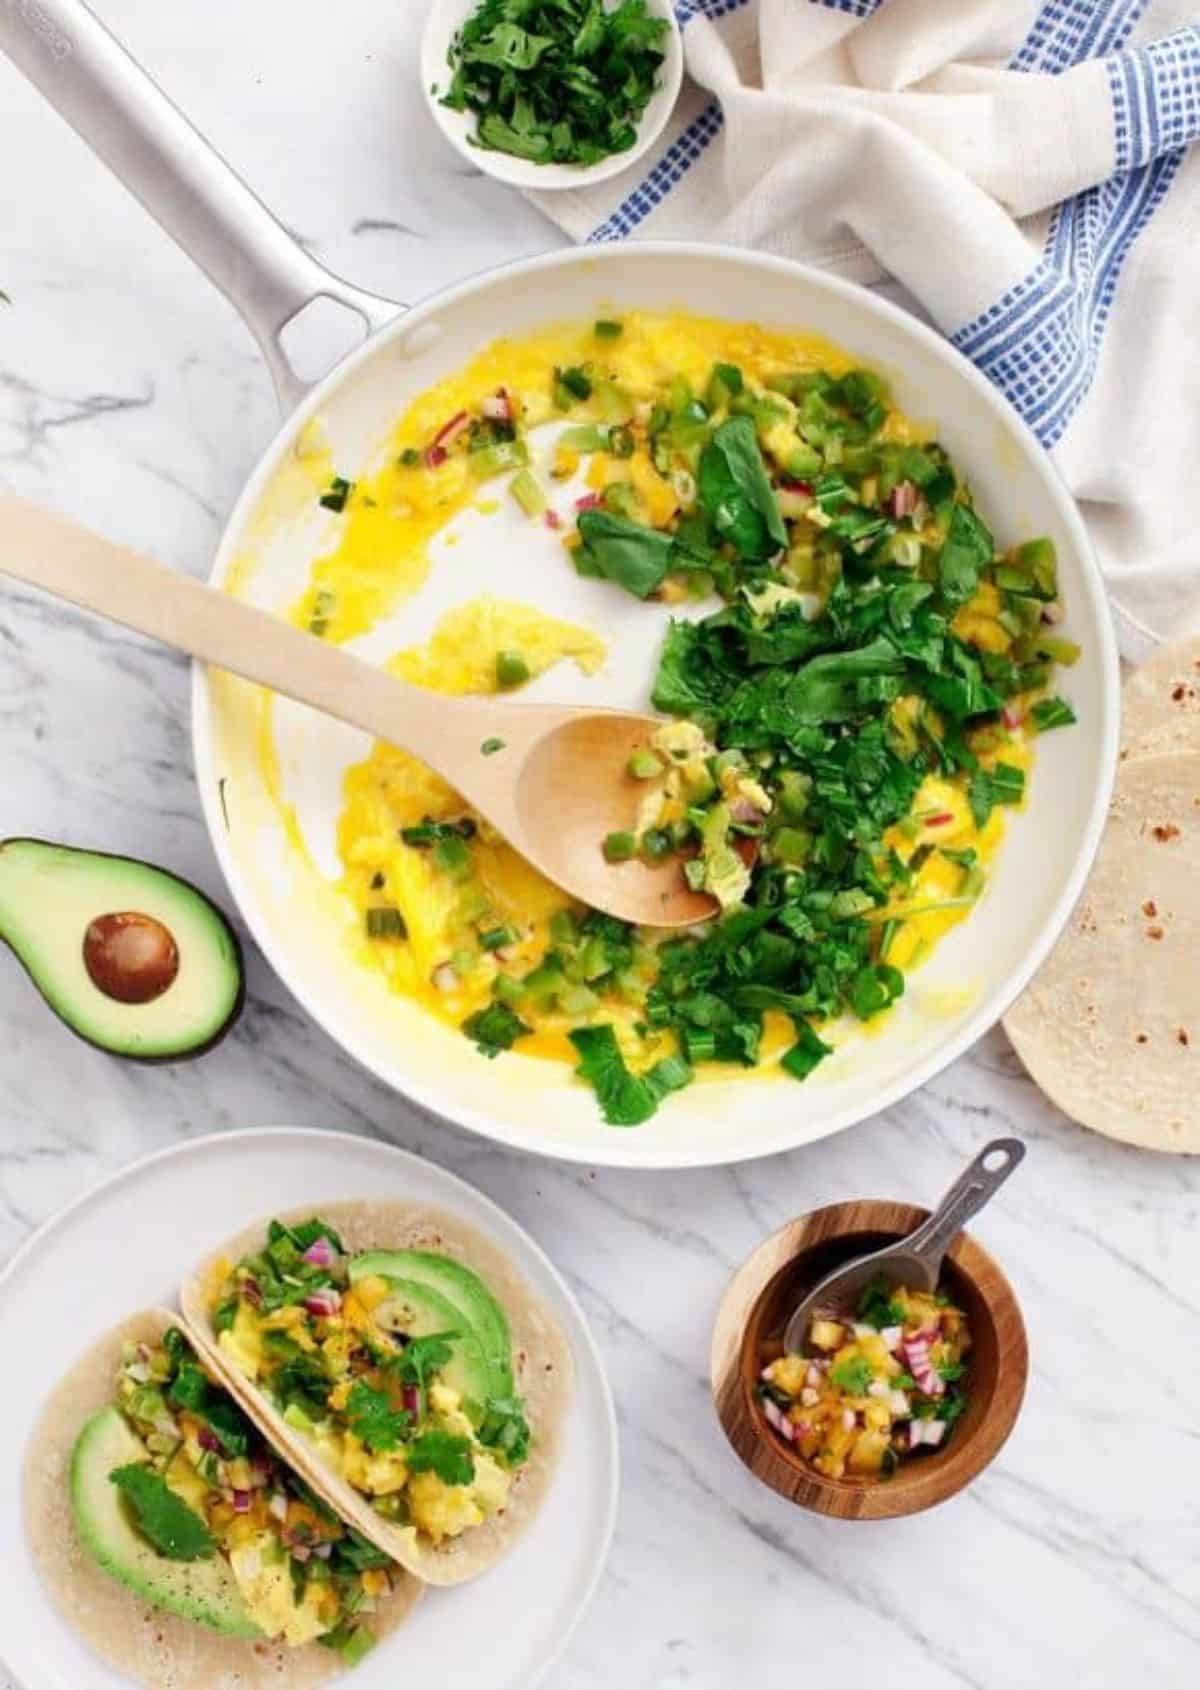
<point>556,787</point>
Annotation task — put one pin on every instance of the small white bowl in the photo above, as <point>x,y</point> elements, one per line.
<point>445,19</point>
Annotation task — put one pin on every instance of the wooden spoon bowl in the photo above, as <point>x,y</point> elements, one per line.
<point>756,1306</point>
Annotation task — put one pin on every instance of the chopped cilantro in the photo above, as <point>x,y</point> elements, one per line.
<point>556,81</point>
<point>371,1417</point>
<point>174,1529</point>
<point>626,1100</point>
<point>443,1453</point>
<point>495,1028</point>
<point>505,1429</point>
<point>853,1376</point>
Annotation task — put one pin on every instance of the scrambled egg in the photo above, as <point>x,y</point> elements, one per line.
<point>380,557</point>
<point>264,1579</point>
<point>392,790</point>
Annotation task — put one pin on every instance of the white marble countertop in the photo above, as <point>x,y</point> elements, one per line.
<point>131,397</point>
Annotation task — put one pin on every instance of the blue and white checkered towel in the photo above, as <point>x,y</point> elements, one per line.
<point>1022,167</point>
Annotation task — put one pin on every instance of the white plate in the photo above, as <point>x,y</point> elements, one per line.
<point>129,1243</point>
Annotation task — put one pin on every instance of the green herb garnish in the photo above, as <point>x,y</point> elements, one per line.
<point>174,1529</point>
<point>556,81</point>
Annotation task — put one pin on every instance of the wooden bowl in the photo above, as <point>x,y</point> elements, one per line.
<point>763,1293</point>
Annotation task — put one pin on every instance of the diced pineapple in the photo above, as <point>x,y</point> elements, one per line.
<point>868,1452</point>
<point>789,1373</point>
<point>826,1334</point>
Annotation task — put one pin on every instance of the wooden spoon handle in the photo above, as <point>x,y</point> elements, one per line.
<point>57,555</point>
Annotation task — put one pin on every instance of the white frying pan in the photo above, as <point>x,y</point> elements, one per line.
<point>257,801</point>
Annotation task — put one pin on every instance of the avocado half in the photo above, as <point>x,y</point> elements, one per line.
<point>204,1591</point>
<point>130,957</point>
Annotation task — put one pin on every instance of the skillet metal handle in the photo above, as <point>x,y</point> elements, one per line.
<point>199,200</point>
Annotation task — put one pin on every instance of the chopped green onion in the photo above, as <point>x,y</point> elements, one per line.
<point>496,938</point>
<point>584,437</point>
<point>410,457</point>
<point>528,494</point>
<point>452,855</point>
<point>335,496</point>
<point>607,329</point>
<point>656,845</point>
<point>619,847</point>
<point>490,747</point>
<point>511,669</point>
<point>384,922</point>
<point>621,442</point>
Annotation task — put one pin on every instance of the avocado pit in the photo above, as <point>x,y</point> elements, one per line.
<point>130,957</point>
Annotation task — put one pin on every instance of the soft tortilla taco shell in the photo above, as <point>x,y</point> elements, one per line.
<point>542,1367</point>
<point>1160,703</point>
<point>159,1650</point>
<point>1110,1027</point>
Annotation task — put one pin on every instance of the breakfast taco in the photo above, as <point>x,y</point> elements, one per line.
<point>405,1367</point>
<point>178,1544</point>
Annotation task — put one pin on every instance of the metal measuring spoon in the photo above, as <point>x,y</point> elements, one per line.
<point>914,1261</point>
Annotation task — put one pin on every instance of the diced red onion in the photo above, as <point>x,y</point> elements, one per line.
<point>773,1413</point>
<point>324,1302</point>
<point>588,502</point>
<point>898,1403</point>
<point>745,810</point>
<point>766,1372</point>
<point>278,1505</point>
<point>435,455</point>
<point>789,485</point>
<point>803,1428</point>
<point>903,501</point>
<point>497,407</point>
<point>891,1336</point>
<point>1011,718</point>
<point>300,1552</point>
<point>208,1441</point>
<point>243,1501</point>
<point>916,1434</point>
<point>788,1430</point>
<point>320,1253</point>
<point>849,1419</point>
<point>323,1551</point>
<point>445,977</point>
<point>941,819</point>
<point>412,1400</point>
<point>935,1431</point>
<point>878,1388</point>
<point>813,1376</point>
<point>860,1329</point>
<point>552,519</point>
<point>251,1292</point>
<point>450,430</point>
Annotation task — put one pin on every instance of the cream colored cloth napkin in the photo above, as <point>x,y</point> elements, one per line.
<point>1021,166</point>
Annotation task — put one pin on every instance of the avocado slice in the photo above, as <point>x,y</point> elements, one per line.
<point>475,1309</point>
<point>204,1591</point>
<point>419,1311</point>
<point>130,957</point>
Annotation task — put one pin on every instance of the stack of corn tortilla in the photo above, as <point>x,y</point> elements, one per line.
<point>1110,1027</point>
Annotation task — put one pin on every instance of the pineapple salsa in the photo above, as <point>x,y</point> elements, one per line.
<point>867,1395</point>
<point>395,1367</point>
<point>854,679</point>
<point>200,1482</point>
